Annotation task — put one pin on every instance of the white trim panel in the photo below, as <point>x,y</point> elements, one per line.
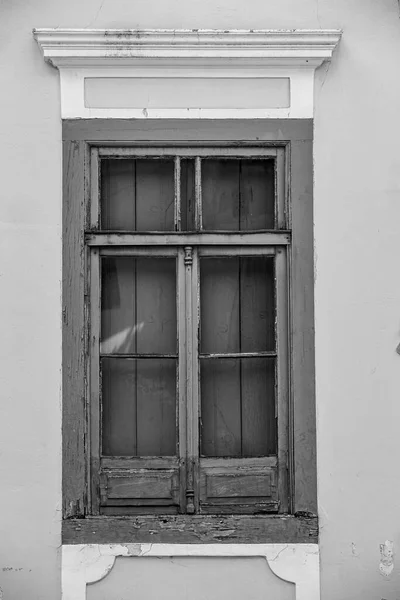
<point>89,563</point>
<point>204,55</point>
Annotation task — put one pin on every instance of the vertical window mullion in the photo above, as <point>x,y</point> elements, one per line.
<point>282,379</point>
<point>177,200</point>
<point>182,377</point>
<point>281,208</point>
<point>198,216</point>
<point>195,323</point>
<point>94,212</point>
<point>95,382</point>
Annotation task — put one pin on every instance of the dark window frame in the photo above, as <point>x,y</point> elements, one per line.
<point>299,523</point>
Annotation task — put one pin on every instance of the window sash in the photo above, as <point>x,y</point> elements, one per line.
<point>188,462</point>
<point>254,153</point>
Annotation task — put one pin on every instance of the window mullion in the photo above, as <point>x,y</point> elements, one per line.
<point>95,384</point>
<point>182,377</point>
<point>282,377</point>
<point>192,444</point>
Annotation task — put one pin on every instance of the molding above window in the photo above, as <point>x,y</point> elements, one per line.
<point>186,73</point>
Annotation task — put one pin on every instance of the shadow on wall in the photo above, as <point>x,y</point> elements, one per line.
<point>197,578</point>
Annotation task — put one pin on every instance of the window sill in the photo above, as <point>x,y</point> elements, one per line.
<point>197,529</point>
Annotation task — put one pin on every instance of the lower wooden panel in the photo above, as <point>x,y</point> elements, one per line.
<point>196,529</point>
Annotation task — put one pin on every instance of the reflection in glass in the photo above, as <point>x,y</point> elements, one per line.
<point>138,305</point>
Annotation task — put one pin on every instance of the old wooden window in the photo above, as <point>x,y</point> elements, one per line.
<point>192,360</point>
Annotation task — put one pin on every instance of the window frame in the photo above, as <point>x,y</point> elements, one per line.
<point>81,140</point>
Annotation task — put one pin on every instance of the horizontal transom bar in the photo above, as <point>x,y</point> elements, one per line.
<point>143,152</point>
<point>265,238</point>
<point>240,355</point>
<point>117,355</point>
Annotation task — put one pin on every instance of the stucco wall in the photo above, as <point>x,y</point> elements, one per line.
<point>357,233</point>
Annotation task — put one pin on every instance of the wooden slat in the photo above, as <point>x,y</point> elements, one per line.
<point>198,195</point>
<point>230,485</point>
<point>181,384</point>
<point>73,348</point>
<point>236,251</point>
<point>269,238</point>
<point>302,306</point>
<point>282,189</point>
<point>252,151</point>
<point>95,440</point>
<point>195,413</point>
<point>192,529</point>
<point>177,191</point>
<point>188,132</point>
<point>94,186</point>
<point>139,485</point>
<point>260,462</point>
<point>148,251</point>
<point>139,462</point>
<point>240,355</point>
<point>191,450</point>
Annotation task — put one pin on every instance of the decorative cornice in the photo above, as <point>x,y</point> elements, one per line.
<point>95,47</point>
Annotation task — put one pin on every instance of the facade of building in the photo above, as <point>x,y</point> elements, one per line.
<point>126,149</point>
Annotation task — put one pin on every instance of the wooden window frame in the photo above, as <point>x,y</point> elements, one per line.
<point>81,140</point>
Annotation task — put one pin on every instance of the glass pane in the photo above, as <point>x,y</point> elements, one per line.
<point>238,407</point>
<point>137,194</point>
<point>238,194</point>
<point>187,195</point>
<point>139,407</point>
<point>237,304</point>
<point>138,306</point>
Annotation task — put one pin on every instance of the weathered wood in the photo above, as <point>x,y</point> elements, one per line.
<point>191,529</point>
<point>254,152</point>
<point>73,345</point>
<point>284,425</point>
<point>289,136</point>
<point>190,131</point>
<point>302,307</point>
<point>139,485</point>
<point>139,462</point>
<point>267,238</point>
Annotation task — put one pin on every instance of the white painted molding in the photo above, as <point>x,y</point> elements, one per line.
<point>88,563</point>
<point>210,74</point>
<point>94,47</point>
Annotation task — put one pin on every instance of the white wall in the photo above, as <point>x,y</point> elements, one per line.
<point>357,234</point>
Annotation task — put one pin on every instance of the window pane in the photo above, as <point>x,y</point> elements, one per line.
<point>238,194</point>
<point>237,304</point>
<point>139,407</point>
<point>138,310</point>
<point>238,407</point>
<point>137,194</point>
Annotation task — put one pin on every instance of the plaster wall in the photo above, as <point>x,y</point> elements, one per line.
<point>357,232</point>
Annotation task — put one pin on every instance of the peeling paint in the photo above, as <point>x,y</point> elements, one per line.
<point>386,564</point>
